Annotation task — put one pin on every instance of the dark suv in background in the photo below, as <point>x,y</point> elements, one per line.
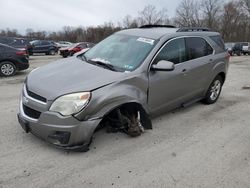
<point>43,46</point>
<point>12,60</point>
<point>241,48</point>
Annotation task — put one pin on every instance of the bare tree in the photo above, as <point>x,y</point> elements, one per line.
<point>150,15</point>
<point>29,32</point>
<point>211,12</point>
<point>129,22</point>
<point>231,21</point>
<point>246,4</point>
<point>188,14</point>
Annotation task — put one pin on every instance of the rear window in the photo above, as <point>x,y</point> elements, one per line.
<point>35,42</point>
<point>90,45</point>
<point>45,43</point>
<point>82,45</point>
<point>219,41</point>
<point>197,47</point>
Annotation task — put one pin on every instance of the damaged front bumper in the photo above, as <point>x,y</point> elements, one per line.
<point>63,132</point>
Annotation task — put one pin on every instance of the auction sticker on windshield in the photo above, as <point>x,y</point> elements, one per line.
<point>146,40</point>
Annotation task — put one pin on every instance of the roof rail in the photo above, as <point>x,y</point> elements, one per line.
<point>190,29</point>
<point>152,26</point>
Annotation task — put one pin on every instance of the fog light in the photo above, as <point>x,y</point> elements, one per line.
<point>59,137</point>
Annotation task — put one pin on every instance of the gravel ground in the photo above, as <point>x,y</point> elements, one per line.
<point>197,146</point>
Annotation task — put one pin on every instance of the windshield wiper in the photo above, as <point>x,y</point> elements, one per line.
<point>83,57</point>
<point>103,63</point>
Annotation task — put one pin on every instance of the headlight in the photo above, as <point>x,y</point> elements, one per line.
<point>70,104</point>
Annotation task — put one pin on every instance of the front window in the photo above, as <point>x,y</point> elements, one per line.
<point>123,52</point>
<point>174,51</point>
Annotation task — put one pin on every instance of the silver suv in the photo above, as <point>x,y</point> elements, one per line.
<point>121,83</point>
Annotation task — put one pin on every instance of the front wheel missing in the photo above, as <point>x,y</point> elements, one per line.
<point>124,119</point>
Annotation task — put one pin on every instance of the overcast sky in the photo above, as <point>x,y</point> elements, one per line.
<point>52,15</point>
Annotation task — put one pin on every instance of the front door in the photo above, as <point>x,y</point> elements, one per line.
<point>166,87</point>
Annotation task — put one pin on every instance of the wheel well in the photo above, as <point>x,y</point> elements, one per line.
<point>132,107</point>
<point>223,76</point>
<point>9,61</point>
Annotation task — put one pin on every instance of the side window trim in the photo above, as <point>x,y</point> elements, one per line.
<point>174,38</point>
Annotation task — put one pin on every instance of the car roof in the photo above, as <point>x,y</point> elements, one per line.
<point>159,32</point>
<point>153,33</point>
<point>7,46</point>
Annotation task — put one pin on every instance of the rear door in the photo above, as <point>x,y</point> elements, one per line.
<point>200,57</point>
<point>45,45</point>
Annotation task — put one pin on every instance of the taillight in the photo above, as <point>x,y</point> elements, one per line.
<point>227,56</point>
<point>21,53</point>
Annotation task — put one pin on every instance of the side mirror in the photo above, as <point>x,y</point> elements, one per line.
<point>163,66</point>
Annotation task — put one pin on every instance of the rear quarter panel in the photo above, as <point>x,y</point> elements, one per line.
<point>220,65</point>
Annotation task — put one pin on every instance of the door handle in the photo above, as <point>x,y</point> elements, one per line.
<point>184,70</point>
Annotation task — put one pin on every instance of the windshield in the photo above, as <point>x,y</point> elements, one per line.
<point>123,52</point>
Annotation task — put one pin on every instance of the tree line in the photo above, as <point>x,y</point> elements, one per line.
<point>230,18</point>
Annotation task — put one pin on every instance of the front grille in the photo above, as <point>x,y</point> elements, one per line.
<point>31,112</point>
<point>35,96</point>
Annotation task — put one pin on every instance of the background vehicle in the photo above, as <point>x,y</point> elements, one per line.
<point>81,52</point>
<point>19,43</point>
<point>241,48</point>
<point>43,46</point>
<point>121,82</point>
<point>63,44</point>
<point>12,60</point>
<point>230,47</point>
<point>71,50</point>
<point>246,48</point>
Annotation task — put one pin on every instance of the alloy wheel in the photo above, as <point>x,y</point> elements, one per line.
<point>215,90</point>
<point>7,69</point>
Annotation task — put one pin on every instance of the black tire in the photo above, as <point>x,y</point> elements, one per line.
<point>214,90</point>
<point>65,55</point>
<point>52,52</point>
<point>71,53</point>
<point>7,68</point>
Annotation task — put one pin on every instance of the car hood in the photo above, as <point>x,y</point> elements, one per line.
<point>69,76</point>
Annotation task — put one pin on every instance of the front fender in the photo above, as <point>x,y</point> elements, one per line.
<point>107,98</point>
